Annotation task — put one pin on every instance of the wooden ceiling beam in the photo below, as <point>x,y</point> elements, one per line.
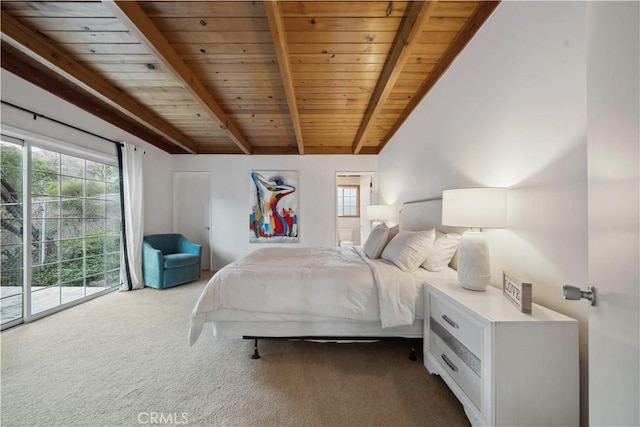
<point>37,47</point>
<point>418,12</point>
<point>132,16</point>
<point>276,25</point>
<point>464,36</point>
<point>34,72</point>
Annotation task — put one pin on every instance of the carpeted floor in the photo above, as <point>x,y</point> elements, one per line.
<point>123,360</point>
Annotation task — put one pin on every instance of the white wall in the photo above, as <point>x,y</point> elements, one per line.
<point>511,112</point>
<point>157,163</point>
<point>158,192</point>
<point>230,196</point>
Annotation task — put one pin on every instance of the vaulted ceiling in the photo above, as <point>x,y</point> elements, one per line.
<point>245,77</point>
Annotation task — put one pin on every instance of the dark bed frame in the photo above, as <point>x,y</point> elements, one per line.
<point>414,342</point>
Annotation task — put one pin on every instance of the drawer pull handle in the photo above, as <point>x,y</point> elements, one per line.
<point>453,367</point>
<point>449,321</point>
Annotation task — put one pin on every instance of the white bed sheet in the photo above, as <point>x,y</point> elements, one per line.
<point>343,290</point>
<point>422,276</point>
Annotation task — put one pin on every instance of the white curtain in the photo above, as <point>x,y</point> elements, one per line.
<point>133,215</point>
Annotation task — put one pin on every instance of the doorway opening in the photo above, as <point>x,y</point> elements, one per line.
<point>354,192</point>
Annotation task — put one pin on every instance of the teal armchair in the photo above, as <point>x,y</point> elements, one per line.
<point>169,260</point>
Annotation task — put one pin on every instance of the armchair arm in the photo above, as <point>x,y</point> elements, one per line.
<point>152,264</point>
<point>190,248</point>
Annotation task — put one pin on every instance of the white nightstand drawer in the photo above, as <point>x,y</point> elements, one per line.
<point>468,381</point>
<point>458,324</point>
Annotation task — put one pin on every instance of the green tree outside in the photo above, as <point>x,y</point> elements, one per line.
<point>75,226</point>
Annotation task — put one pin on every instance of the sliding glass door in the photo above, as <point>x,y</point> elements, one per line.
<point>11,237</point>
<point>72,209</point>
<point>76,248</point>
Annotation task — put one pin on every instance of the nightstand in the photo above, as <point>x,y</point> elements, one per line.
<point>507,368</point>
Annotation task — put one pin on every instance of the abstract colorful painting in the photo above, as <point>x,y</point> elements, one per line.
<point>274,207</point>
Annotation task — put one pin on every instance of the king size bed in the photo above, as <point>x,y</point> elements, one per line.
<point>338,293</point>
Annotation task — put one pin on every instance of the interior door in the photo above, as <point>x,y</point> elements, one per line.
<point>191,210</point>
<point>614,204</point>
<point>366,186</point>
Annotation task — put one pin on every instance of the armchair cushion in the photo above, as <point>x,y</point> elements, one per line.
<point>180,260</point>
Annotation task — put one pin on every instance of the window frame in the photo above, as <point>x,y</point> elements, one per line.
<point>340,200</point>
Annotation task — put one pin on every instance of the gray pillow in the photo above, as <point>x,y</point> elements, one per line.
<point>376,241</point>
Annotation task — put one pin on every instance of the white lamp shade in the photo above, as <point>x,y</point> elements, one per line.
<point>475,207</point>
<point>379,213</point>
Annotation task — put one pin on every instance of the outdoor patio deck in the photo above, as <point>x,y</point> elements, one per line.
<point>42,298</point>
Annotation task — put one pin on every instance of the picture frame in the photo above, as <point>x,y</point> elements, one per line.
<point>273,214</point>
<point>518,292</point>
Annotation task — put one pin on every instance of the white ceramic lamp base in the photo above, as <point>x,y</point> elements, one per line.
<point>474,269</point>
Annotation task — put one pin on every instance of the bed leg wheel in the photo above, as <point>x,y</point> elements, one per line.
<point>412,354</point>
<point>255,354</point>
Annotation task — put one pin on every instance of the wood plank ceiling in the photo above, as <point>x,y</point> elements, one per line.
<point>242,77</point>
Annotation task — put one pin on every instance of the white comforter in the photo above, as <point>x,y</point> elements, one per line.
<point>340,283</point>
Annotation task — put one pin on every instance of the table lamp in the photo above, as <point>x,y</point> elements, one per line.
<point>475,208</point>
<point>380,213</point>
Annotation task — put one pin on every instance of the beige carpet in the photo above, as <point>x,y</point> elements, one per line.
<point>123,360</point>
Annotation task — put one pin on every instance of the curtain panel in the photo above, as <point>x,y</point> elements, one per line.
<point>131,161</point>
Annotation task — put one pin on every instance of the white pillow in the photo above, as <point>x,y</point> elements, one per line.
<point>409,249</point>
<point>444,247</point>
<point>376,241</point>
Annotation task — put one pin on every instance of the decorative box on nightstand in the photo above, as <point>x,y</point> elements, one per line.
<point>507,368</point>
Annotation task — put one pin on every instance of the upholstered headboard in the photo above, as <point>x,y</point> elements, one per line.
<point>426,214</point>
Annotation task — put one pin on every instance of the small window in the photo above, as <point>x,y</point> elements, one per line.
<point>348,201</point>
